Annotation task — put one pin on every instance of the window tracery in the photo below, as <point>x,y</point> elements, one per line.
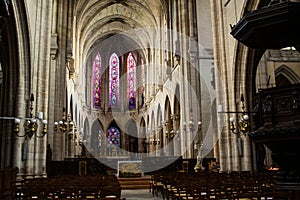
<point>114,80</point>
<point>131,78</point>
<point>113,137</point>
<point>97,81</point>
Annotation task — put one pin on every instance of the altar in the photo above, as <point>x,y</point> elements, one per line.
<point>130,168</point>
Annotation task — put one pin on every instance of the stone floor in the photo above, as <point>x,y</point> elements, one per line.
<point>139,194</point>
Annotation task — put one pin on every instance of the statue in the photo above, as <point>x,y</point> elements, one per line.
<point>199,167</point>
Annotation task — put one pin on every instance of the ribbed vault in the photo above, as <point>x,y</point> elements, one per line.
<point>97,21</point>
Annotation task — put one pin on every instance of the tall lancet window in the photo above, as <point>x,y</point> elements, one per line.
<point>142,82</point>
<point>97,81</point>
<point>131,78</point>
<point>114,80</point>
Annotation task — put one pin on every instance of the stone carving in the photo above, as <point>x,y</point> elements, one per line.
<point>267,105</point>
<point>284,105</point>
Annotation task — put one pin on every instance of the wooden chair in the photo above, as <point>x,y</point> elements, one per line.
<point>156,185</point>
<point>185,166</point>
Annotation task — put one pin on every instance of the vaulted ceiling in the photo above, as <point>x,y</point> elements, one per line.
<point>96,21</point>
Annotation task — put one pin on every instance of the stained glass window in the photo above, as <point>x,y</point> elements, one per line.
<point>143,83</point>
<point>113,137</point>
<point>97,81</point>
<point>131,78</point>
<point>114,80</point>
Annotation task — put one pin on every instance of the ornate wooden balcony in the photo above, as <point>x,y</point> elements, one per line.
<point>277,125</point>
<point>278,109</point>
<point>270,27</point>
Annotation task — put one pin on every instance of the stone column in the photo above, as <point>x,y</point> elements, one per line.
<point>247,154</point>
<point>164,141</point>
<point>216,14</point>
<point>153,147</point>
<point>167,131</point>
<point>157,141</point>
<point>53,137</point>
<point>18,108</point>
<point>42,98</point>
<point>161,140</point>
<point>175,135</point>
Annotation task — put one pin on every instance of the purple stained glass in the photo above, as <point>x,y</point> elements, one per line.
<point>113,137</point>
<point>131,81</point>
<point>97,81</point>
<point>114,80</point>
<point>142,79</point>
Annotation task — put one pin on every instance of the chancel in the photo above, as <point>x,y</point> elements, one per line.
<point>98,98</point>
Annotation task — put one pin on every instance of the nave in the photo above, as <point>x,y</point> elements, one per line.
<point>139,194</point>
<point>161,185</point>
<point>113,80</point>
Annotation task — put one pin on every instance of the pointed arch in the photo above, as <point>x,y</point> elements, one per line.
<point>152,120</point>
<point>143,126</point>
<point>85,136</point>
<point>113,135</point>
<point>159,115</point>
<point>167,109</point>
<point>176,116</point>
<point>131,128</point>
<point>96,139</point>
<point>148,120</point>
<point>132,134</point>
<point>169,126</point>
<point>114,81</point>
<point>142,82</point>
<point>176,100</point>
<point>285,76</point>
<point>160,136</point>
<point>97,71</point>
<point>131,81</point>
<point>86,127</point>
<point>142,137</point>
<point>16,63</point>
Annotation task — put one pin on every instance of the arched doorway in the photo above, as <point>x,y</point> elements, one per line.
<point>176,120</point>
<point>169,131</point>
<point>142,137</point>
<point>132,134</point>
<point>96,139</point>
<point>160,137</point>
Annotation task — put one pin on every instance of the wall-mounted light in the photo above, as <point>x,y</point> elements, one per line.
<point>31,123</point>
<point>243,123</point>
<point>170,134</point>
<point>199,126</point>
<point>154,141</point>
<point>191,124</point>
<point>243,118</point>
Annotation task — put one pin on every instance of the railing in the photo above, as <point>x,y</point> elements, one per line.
<point>278,107</point>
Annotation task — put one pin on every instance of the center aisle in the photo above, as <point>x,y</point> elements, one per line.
<point>139,194</point>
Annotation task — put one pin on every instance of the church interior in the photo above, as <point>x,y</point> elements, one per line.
<point>200,99</point>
